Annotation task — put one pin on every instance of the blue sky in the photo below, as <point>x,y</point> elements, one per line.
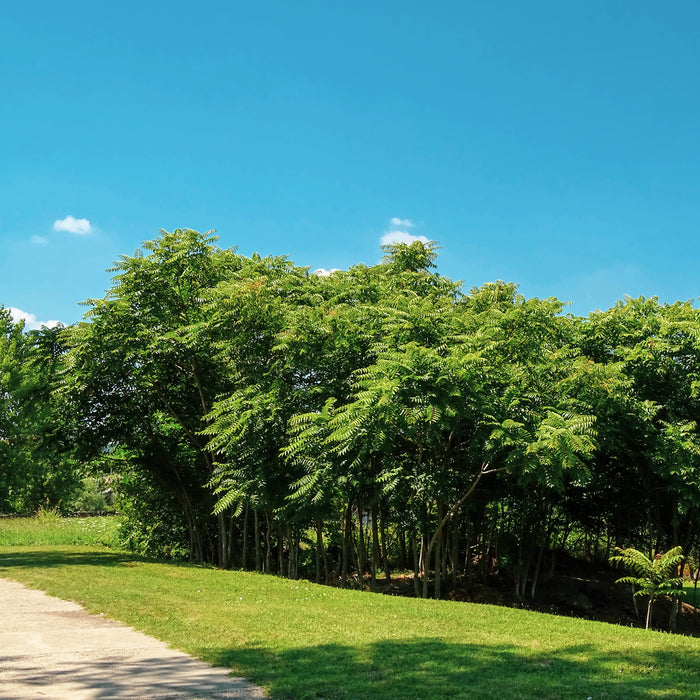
<point>552,144</point>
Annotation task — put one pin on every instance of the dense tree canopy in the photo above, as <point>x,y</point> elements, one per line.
<point>370,420</point>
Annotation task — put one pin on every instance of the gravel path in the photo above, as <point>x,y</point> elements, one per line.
<point>50,648</point>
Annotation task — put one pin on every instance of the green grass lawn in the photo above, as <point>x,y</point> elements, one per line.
<point>301,640</point>
<point>49,528</point>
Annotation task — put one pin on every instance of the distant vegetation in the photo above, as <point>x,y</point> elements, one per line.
<point>245,412</point>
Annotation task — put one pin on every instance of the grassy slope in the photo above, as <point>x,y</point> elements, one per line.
<point>301,640</point>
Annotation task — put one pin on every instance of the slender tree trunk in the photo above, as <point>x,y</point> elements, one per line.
<point>320,553</point>
<point>324,557</point>
<point>651,601</point>
<point>536,573</point>
<point>438,553</point>
<point>416,566</point>
<point>385,553</point>
<point>256,526</point>
<point>360,546</point>
<point>244,550</point>
<point>231,539</point>
<point>544,538</point>
<point>374,514</point>
<point>634,603</point>
<point>291,565</point>
<point>468,570</point>
<point>280,550</point>
<point>347,536</point>
<point>268,545</point>
<point>403,555</point>
<point>451,511</point>
<point>296,553</point>
<point>425,563</point>
<point>454,556</point>
<point>197,545</point>
<point>673,617</point>
<point>223,541</point>
<point>518,568</point>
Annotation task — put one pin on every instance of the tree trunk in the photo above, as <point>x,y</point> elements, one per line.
<point>268,546</point>
<point>416,566</point>
<point>320,555</point>
<point>454,554</point>
<point>634,603</point>
<point>280,550</point>
<point>256,526</point>
<point>673,617</point>
<point>231,539</point>
<point>223,541</point>
<point>425,564</point>
<point>347,536</point>
<point>292,565</point>
<point>244,551</point>
<point>651,601</point>
<point>385,553</point>
<point>360,547</point>
<point>403,555</point>
<point>438,553</point>
<point>374,514</point>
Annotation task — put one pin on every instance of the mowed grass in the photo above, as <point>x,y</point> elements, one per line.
<point>300,640</point>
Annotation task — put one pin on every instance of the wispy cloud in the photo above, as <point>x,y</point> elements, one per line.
<point>39,240</point>
<point>401,237</point>
<point>73,225</point>
<point>30,322</point>
<point>405,223</point>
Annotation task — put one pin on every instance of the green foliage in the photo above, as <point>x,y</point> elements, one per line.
<point>37,457</point>
<point>91,498</point>
<point>142,375</point>
<point>381,417</point>
<point>151,523</point>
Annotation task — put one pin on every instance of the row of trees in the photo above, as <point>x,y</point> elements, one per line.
<point>370,420</point>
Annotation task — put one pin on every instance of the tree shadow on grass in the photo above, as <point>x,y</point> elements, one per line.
<point>435,669</point>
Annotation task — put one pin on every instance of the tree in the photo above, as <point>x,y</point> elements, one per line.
<point>142,374</point>
<point>37,465</point>
<point>654,578</point>
<point>649,458</point>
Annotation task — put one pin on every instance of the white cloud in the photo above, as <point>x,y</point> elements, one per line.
<point>73,225</point>
<point>401,237</point>
<point>322,272</point>
<point>406,223</point>
<point>30,322</point>
<point>39,240</point>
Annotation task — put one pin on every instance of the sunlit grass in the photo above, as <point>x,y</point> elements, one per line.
<point>301,640</point>
<point>50,529</point>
